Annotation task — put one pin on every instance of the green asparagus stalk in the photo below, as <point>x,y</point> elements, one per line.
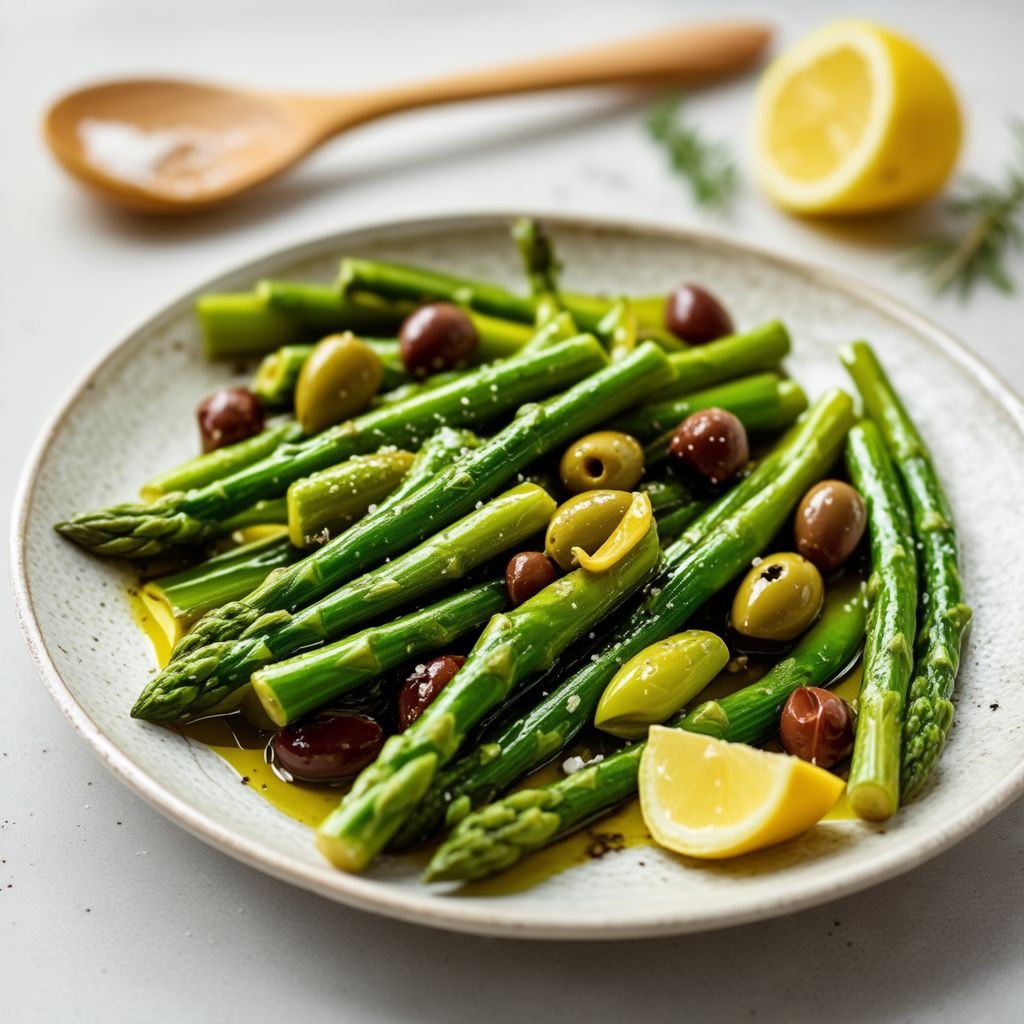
<point>221,462</point>
<point>874,784</point>
<point>398,281</point>
<point>539,261</point>
<point>672,523</point>
<point>442,449</point>
<point>279,313</point>
<point>184,520</point>
<point>267,511</point>
<point>325,503</point>
<point>212,680</point>
<point>762,401</point>
<point>291,688</point>
<point>701,366</point>
<point>944,615</point>
<point>225,577</point>
<point>706,556</point>
<point>497,836</point>
<point>451,493</point>
<point>514,646</point>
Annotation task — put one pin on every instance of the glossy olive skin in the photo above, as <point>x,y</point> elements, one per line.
<point>657,682</point>
<point>817,726</point>
<point>710,444</point>
<point>420,689</point>
<point>829,524</point>
<point>336,382</point>
<point>695,315</point>
<point>437,337</point>
<point>602,460</point>
<point>527,574</point>
<point>228,416</point>
<point>586,521</point>
<point>329,747</point>
<point>779,598</point>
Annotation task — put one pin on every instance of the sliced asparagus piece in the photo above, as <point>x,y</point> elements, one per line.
<point>944,615</point>
<point>290,688</point>
<point>269,511</point>
<point>718,545</point>
<point>325,503</point>
<point>277,313</point>
<point>451,493</point>
<point>184,520</point>
<point>514,646</point>
<point>874,784</point>
<point>497,836</point>
<point>212,680</point>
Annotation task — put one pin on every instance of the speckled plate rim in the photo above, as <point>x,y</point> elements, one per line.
<point>423,908</point>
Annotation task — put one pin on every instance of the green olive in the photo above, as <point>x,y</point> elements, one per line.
<point>658,681</point>
<point>606,459</point>
<point>779,598</point>
<point>338,380</point>
<point>585,521</point>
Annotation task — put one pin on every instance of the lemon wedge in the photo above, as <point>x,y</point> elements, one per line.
<point>707,798</point>
<point>854,119</point>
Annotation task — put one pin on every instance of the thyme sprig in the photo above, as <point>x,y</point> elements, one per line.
<point>992,216</point>
<point>708,166</point>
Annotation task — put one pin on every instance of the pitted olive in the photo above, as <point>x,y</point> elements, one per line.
<point>779,598</point>
<point>605,459</point>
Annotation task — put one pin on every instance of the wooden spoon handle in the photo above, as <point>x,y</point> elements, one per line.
<point>689,54</point>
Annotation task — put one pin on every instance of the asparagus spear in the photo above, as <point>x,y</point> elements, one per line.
<point>451,493</point>
<point>514,646</point>
<point>212,680</point>
<point>944,615</point>
<point>184,520</point>
<point>701,366</point>
<point>327,502</point>
<point>267,511</point>
<point>232,575</point>
<point>706,556</point>
<point>290,688</point>
<point>221,462</point>
<point>762,401</point>
<point>225,577</point>
<point>874,784</point>
<point>279,313</point>
<point>495,837</point>
<point>398,281</point>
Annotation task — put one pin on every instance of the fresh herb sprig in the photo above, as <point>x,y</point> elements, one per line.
<point>708,166</point>
<point>994,219</point>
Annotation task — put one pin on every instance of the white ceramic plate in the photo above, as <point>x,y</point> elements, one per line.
<point>93,659</point>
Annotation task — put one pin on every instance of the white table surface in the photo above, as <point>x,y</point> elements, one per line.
<point>108,909</point>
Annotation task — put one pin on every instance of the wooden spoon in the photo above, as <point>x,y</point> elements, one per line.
<point>171,146</point>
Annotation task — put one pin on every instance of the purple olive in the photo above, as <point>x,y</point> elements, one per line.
<point>695,315</point>
<point>420,689</point>
<point>228,416</point>
<point>329,747</point>
<point>437,337</point>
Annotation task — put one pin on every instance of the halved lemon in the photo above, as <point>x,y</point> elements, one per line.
<point>707,798</point>
<point>853,119</point>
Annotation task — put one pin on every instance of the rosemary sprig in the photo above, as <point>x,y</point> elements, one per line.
<point>707,166</point>
<point>994,218</point>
